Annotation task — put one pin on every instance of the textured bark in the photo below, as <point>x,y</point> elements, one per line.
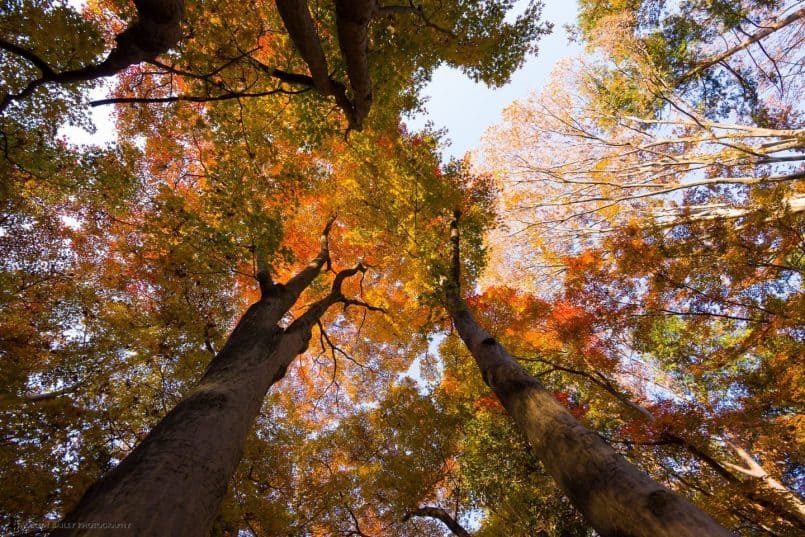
<point>440,514</point>
<point>156,30</point>
<point>786,502</point>
<point>352,23</point>
<point>615,498</point>
<point>175,480</point>
<point>763,491</point>
<point>299,24</point>
<point>296,17</point>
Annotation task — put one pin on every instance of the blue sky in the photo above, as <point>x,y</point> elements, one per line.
<point>466,109</point>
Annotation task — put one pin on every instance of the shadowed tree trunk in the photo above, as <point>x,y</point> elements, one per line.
<point>352,23</point>
<point>440,514</point>
<point>352,19</point>
<point>296,17</point>
<point>616,499</point>
<point>174,481</point>
<point>765,492</point>
<point>157,29</point>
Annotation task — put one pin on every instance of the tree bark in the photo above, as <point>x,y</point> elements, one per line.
<point>299,24</point>
<point>615,498</point>
<point>440,514</point>
<point>157,29</point>
<point>352,23</point>
<point>174,481</point>
<point>781,501</point>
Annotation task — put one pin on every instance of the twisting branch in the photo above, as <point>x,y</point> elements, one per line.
<point>283,76</point>
<point>336,349</point>
<point>156,30</point>
<point>324,339</point>
<point>354,302</point>
<point>343,275</point>
<point>439,514</point>
<point>314,312</point>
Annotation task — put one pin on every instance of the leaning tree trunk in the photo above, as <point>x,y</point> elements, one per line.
<point>352,19</point>
<point>616,499</point>
<point>175,480</point>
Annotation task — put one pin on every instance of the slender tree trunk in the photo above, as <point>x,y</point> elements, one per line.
<point>783,502</point>
<point>174,481</point>
<point>616,499</point>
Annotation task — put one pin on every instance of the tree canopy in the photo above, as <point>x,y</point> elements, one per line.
<point>271,308</point>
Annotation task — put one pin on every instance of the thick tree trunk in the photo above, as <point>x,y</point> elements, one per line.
<point>157,29</point>
<point>352,22</point>
<point>296,17</point>
<point>615,498</point>
<point>174,481</point>
<point>299,24</point>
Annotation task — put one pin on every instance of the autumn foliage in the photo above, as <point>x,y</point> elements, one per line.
<point>632,234</point>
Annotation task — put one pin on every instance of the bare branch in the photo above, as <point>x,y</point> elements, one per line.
<point>767,30</point>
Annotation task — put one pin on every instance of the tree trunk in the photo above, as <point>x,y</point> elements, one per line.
<point>156,30</point>
<point>174,481</point>
<point>615,498</point>
<point>352,23</point>
<point>296,17</point>
<point>761,489</point>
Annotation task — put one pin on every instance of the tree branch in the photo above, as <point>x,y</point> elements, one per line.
<point>156,30</point>
<point>191,98</point>
<point>352,23</point>
<point>439,514</point>
<point>767,30</point>
<point>302,279</point>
